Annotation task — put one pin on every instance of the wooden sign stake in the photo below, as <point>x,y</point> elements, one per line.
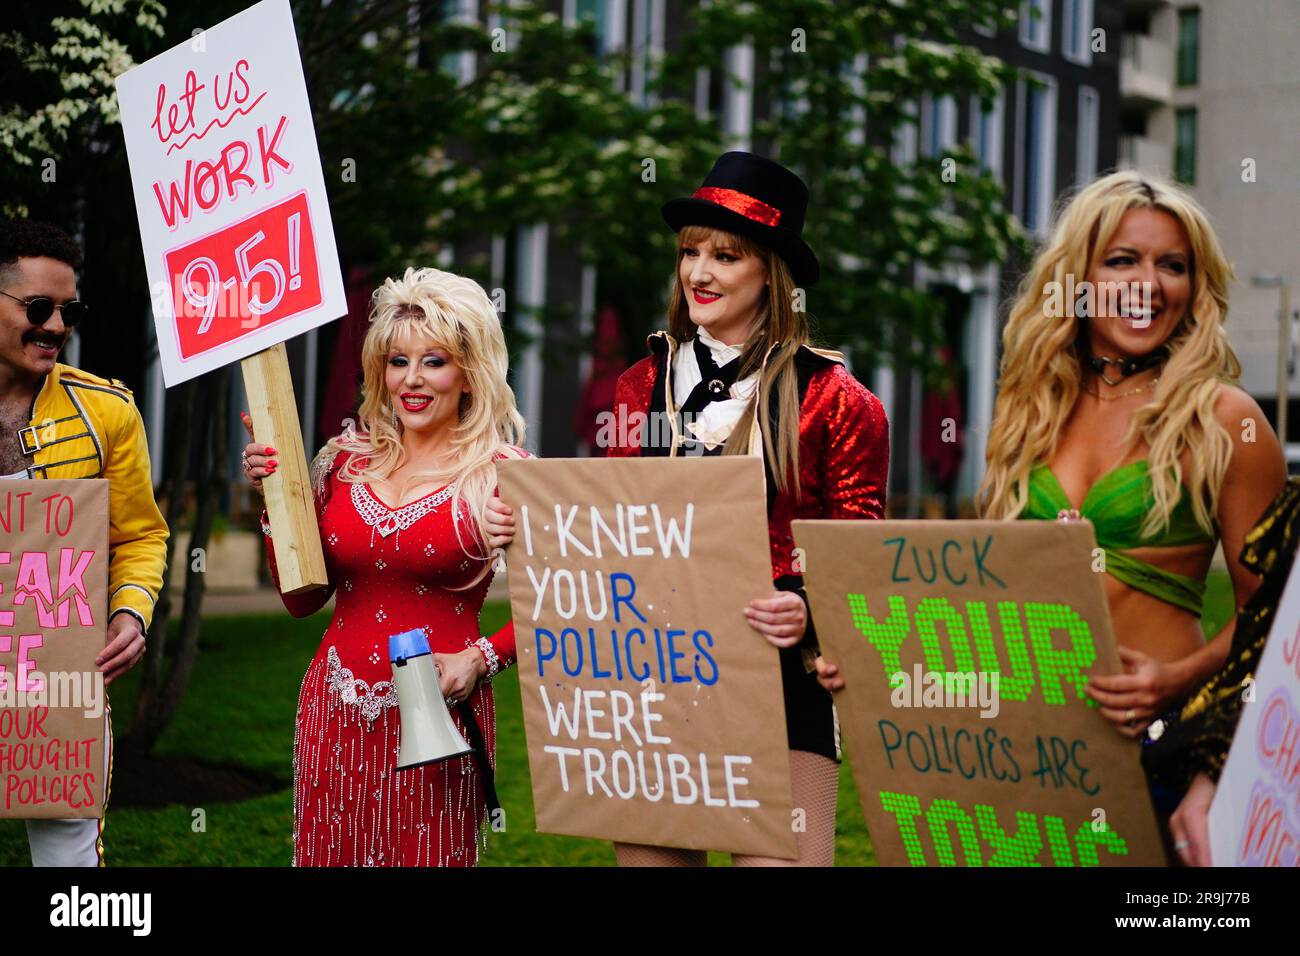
<point>290,505</point>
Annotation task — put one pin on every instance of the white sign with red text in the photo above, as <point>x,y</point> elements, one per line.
<point>1255,817</point>
<point>238,241</point>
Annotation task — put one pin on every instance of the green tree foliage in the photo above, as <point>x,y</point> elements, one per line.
<point>57,65</point>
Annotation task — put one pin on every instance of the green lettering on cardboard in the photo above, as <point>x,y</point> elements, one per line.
<point>905,808</point>
<point>887,635</point>
<point>1017,680</point>
<point>1022,849</point>
<point>1057,666</point>
<point>931,610</point>
<point>1087,839</point>
<point>1058,841</point>
<point>941,813</point>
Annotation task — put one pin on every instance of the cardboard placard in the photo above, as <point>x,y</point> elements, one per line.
<point>1005,763</point>
<point>1255,817</point>
<point>53,622</point>
<point>653,711</point>
<point>229,192</point>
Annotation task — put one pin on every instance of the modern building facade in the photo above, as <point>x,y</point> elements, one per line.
<point>1210,95</point>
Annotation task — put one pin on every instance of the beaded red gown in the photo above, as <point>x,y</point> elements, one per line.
<point>392,570</point>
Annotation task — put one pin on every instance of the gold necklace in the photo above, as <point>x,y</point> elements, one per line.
<point>1134,391</point>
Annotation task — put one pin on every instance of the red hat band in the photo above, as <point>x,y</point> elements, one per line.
<point>738,202</point>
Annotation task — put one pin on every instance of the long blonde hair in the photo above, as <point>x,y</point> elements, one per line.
<point>777,324</point>
<point>456,314</point>
<point>1041,369</point>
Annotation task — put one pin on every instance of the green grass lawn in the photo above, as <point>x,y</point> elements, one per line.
<point>239,712</point>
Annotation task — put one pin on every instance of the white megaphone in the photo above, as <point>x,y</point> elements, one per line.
<point>428,732</point>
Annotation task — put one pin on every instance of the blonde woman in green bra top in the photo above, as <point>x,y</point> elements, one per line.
<point>1123,410</point>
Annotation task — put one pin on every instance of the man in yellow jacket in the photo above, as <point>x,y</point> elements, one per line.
<point>60,422</point>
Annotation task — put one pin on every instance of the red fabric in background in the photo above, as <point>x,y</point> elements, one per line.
<point>598,391</point>
<point>942,459</point>
<point>343,388</point>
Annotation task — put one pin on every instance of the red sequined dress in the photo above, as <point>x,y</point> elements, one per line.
<point>392,570</point>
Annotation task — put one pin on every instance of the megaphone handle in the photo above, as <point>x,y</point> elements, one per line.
<point>475,739</point>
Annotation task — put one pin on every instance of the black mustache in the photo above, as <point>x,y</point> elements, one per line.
<point>36,333</point>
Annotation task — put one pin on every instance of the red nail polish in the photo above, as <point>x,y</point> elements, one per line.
<point>271,451</point>
<point>273,463</point>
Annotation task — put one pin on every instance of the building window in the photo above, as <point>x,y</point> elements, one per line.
<point>904,148</point>
<point>986,132</point>
<point>737,113</point>
<point>1036,159</point>
<point>938,125</point>
<point>1089,126</point>
<point>1185,146</point>
<point>1076,31</point>
<point>460,64</point>
<point>593,12</point>
<point>1036,25</point>
<point>1189,46</point>
<point>647,44</point>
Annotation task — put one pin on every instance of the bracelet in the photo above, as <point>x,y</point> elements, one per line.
<point>489,656</point>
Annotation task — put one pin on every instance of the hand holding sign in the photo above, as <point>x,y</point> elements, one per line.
<point>1131,700</point>
<point>781,617</point>
<point>123,648</point>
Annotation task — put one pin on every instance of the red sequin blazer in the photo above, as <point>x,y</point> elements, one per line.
<point>843,443</point>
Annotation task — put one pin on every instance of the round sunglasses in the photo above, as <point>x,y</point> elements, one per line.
<point>40,308</point>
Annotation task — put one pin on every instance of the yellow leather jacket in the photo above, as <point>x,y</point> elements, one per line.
<point>84,426</point>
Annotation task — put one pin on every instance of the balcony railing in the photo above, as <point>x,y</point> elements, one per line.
<point>1146,70</point>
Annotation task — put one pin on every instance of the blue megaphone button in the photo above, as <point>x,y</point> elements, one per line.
<point>408,644</point>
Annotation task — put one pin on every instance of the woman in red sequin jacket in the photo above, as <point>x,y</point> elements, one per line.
<point>735,374</point>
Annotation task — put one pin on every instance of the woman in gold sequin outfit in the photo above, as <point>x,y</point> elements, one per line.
<point>1193,748</point>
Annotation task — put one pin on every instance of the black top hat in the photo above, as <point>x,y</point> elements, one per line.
<point>752,196</point>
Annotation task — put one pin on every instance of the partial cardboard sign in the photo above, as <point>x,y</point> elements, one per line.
<point>965,647</point>
<point>1255,817</point>
<point>53,622</point>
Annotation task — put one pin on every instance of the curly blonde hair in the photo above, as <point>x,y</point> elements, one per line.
<point>1041,369</point>
<point>455,314</point>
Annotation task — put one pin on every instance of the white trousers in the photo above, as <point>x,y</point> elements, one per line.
<point>73,842</point>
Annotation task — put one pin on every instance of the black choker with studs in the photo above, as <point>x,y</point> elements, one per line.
<point>1126,366</point>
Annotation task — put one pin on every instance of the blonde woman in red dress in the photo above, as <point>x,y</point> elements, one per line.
<point>402,502</point>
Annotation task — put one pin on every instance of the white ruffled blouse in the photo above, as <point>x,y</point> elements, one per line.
<point>715,424</point>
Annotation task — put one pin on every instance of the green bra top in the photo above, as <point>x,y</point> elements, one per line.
<point>1116,505</point>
